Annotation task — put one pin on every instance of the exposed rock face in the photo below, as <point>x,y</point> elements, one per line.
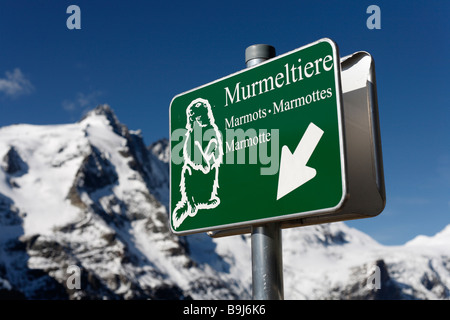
<point>12,163</point>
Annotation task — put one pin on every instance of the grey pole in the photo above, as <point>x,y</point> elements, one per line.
<point>267,261</point>
<point>258,53</point>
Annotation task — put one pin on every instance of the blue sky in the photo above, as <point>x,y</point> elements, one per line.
<point>137,55</point>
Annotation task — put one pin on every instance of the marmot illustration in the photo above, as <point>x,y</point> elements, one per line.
<point>202,156</point>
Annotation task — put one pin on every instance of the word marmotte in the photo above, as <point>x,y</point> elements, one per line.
<point>247,142</point>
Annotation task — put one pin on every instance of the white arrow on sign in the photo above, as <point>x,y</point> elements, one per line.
<point>293,170</point>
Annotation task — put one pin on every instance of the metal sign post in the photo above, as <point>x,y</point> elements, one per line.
<point>267,257</point>
<point>267,262</point>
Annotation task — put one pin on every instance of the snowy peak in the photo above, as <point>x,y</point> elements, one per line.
<point>106,111</point>
<point>440,240</point>
<point>337,262</point>
<point>90,195</point>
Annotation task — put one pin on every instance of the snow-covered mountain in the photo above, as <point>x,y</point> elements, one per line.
<point>91,195</point>
<point>337,262</point>
<point>94,196</point>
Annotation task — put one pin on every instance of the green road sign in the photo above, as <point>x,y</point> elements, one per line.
<point>264,144</point>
